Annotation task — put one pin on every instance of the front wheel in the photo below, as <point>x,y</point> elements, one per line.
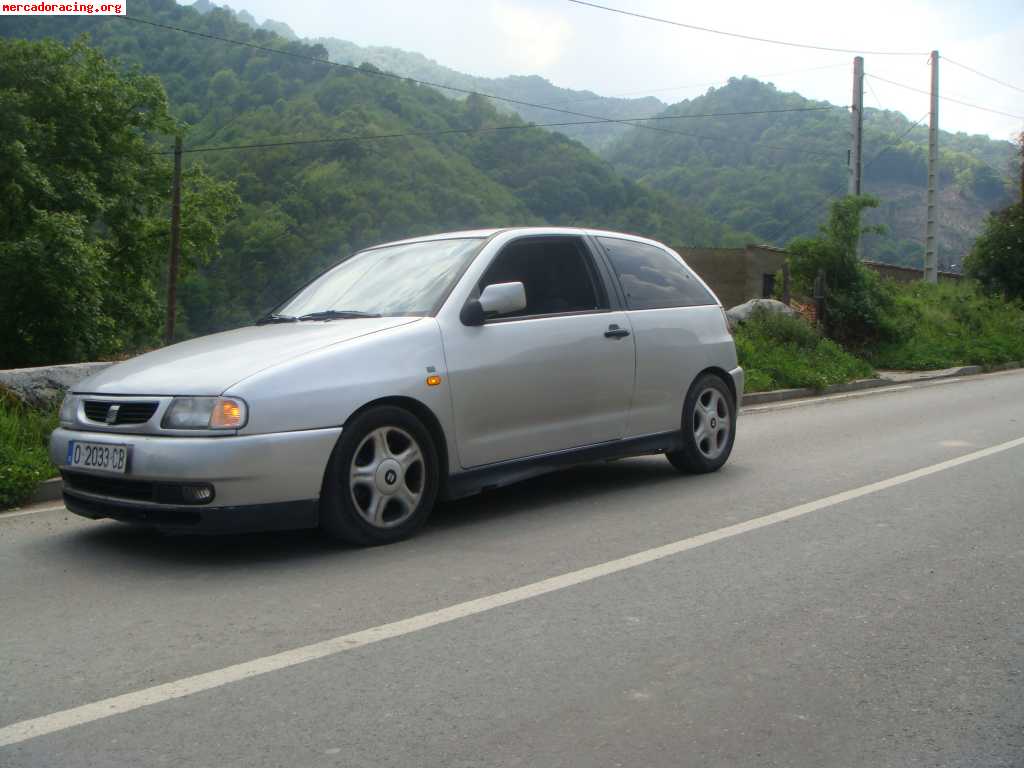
<point>708,427</point>
<point>381,481</point>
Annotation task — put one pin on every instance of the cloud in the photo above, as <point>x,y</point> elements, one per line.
<point>532,40</point>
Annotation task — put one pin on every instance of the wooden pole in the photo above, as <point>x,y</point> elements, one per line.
<point>175,255</point>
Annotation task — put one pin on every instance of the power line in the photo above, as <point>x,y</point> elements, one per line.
<point>746,37</point>
<point>800,218</point>
<point>486,129</point>
<point>878,101</point>
<point>947,98</point>
<point>466,91</point>
<point>898,141</point>
<point>981,74</point>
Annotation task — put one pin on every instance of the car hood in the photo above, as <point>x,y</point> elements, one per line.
<point>209,365</point>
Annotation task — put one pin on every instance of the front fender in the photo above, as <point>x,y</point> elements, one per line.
<point>324,388</point>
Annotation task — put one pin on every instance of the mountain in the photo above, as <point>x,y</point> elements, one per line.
<point>305,205</point>
<point>530,88</point>
<point>773,173</point>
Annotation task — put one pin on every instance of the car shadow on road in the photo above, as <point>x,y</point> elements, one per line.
<point>582,491</point>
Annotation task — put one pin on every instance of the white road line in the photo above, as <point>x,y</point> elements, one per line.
<point>128,702</point>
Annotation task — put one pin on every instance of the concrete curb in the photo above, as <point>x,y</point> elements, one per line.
<point>780,395</point>
<point>48,490</point>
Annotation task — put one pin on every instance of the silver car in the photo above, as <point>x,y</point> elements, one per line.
<point>409,372</point>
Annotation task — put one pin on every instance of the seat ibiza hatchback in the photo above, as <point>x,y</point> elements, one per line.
<point>423,369</point>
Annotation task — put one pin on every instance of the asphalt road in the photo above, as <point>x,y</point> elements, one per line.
<point>616,614</point>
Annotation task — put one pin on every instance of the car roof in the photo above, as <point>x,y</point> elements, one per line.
<point>537,230</point>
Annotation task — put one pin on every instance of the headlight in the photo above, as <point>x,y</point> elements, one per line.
<point>205,413</point>
<point>69,409</point>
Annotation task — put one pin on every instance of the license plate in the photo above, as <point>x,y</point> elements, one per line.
<point>98,456</point>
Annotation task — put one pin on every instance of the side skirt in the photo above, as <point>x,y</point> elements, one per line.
<point>504,473</point>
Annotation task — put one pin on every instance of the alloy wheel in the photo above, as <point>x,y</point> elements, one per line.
<point>711,423</point>
<point>386,477</point>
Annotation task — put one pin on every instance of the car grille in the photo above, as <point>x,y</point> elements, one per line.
<point>117,487</point>
<point>127,413</point>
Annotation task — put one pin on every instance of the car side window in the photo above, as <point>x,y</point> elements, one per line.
<point>653,278</point>
<point>557,273</point>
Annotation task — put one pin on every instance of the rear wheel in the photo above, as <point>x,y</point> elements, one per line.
<point>382,478</point>
<point>708,427</point>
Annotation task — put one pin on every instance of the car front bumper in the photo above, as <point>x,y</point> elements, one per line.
<point>260,482</point>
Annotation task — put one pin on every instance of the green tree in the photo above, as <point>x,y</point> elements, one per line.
<point>83,201</point>
<point>856,301</point>
<point>997,258</point>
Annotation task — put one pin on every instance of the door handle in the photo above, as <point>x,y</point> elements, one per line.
<point>614,332</point>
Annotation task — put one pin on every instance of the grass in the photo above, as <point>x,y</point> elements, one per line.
<point>949,324</point>
<point>24,460</point>
<point>780,352</point>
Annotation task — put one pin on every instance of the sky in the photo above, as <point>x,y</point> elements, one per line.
<point>585,48</point>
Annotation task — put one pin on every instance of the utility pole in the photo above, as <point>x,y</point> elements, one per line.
<point>931,248</point>
<point>857,126</point>
<point>175,255</point>
<point>857,130</point>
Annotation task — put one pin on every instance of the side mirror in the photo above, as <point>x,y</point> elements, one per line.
<point>496,299</point>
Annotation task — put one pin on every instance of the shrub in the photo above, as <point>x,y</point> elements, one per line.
<point>24,459</point>
<point>778,352</point>
<point>945,325</point>
<point>857,306</point>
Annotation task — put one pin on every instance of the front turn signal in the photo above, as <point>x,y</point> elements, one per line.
<point>227,414</point>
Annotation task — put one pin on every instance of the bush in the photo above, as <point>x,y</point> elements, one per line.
<point>997,258</point>
<point>779,352</point>
<point>945,325</point>
<point>24,459</point>
<point>857,306</point>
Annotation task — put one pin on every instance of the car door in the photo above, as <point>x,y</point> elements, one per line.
<point>678,325</point>
<point>554,376</point>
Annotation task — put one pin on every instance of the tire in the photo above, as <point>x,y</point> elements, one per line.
<point>708,427</point>
<point>382,478</point>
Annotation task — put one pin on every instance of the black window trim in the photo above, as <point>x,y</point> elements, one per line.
<point>667,252</point>
<point>596,269</point>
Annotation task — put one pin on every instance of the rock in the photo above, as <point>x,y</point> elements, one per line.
<point>45,387</point>
<point>743,312</point>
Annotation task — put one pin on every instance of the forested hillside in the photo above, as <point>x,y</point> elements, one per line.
<point>528,88</point>
<point>304,206</point>
<point>773,174</point>
<point>531,88</point>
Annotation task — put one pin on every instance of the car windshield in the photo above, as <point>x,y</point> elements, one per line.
<point>408,279</point>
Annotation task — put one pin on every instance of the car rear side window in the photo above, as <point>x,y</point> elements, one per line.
<point>653,278</point>
<point>557,273</point>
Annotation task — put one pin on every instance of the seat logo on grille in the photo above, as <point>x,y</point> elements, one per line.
<point>112,414</point>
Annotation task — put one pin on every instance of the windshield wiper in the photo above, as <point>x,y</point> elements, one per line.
<point>336,314</point>
<point>275,318</point>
